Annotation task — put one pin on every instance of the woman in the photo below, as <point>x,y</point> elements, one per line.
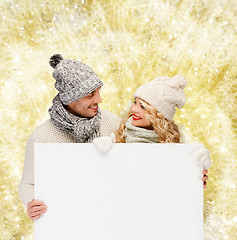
<point>150,119</point>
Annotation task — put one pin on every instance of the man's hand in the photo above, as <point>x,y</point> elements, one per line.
<point>35,209</point>
<point>204,179</point>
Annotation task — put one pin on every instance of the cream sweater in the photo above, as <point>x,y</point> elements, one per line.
<point>49,133</point>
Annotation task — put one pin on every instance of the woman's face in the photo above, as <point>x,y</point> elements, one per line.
<point>138,115</point>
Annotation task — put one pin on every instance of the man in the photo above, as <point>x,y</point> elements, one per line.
<point>74,117</point>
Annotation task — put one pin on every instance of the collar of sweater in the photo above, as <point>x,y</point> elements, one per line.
<point>139,135</point>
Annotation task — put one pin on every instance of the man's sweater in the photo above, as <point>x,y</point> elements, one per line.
<point>49,133</point>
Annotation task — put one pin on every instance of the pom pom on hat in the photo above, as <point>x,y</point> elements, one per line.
<point>181,81</point>
<point>55,60</point>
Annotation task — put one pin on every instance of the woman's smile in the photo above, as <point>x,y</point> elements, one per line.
<point>135,117</point>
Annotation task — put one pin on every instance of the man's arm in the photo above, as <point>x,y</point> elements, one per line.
<point>26,186</point>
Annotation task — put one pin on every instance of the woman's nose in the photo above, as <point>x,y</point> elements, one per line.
<point>134,108</point>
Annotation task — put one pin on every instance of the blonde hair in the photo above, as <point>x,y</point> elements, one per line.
<point>166,130</point>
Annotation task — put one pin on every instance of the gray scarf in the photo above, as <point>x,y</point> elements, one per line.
<point>139,135</point>
<point>83,130</point>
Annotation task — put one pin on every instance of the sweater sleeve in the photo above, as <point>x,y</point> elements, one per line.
<point>26,186</point>
<point>45,133</point>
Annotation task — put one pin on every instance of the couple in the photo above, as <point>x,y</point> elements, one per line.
<point>76,117</point>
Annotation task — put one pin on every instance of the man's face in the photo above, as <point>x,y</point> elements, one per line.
<point>86,106</point>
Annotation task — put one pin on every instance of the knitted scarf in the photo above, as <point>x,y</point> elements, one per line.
<point>139,135</point>
<point>84,130</point>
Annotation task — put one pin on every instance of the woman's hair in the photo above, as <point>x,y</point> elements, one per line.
<point>166,130</point>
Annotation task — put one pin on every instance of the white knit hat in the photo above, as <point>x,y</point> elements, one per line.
<point>164,94</point>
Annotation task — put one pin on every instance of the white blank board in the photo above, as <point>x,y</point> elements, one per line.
<point>133,192</point>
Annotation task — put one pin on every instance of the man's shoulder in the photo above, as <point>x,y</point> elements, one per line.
<point>47,132</point>
<point>46,125</point>
<point>106,114</point>
<point>109,122</point>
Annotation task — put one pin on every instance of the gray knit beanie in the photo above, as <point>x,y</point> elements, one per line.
<point>74,79</point>
<point>164,94</point>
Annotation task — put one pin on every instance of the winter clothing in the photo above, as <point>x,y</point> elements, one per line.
<point>202,157</point>
<point>164,94</point>
<point>103,144</point>
<point>82,129</point>
<point>74,79</point>
<point>139,135</point>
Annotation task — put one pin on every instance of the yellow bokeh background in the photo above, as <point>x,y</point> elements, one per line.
<point>126,43</point>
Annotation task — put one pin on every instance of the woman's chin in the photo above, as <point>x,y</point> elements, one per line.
<point>135,123</point>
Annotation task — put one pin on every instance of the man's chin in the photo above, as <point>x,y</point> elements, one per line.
<point>93,113</point>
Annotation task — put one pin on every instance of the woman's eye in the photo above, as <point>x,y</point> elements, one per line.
<point>142,107</point>
<point>134,101</point>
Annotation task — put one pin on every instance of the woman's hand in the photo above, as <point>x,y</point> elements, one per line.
<point>103,144</point>
<point>202,157</point>
<point>35,209</point>
<point>204,179</point>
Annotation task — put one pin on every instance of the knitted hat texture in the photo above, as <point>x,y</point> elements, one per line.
<point>74,79</point>
<point>164,94</point>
